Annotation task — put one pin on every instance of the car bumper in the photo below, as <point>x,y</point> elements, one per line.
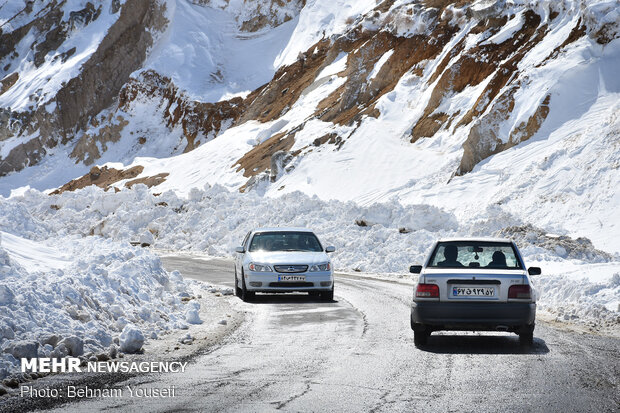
<point>473,316</point>
<point>269,282</point>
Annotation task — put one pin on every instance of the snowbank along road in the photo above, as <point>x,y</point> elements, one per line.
<point>295,353</point>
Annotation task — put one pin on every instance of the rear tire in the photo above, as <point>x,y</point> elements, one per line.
<point>526,335</point>
<point>421,334</point>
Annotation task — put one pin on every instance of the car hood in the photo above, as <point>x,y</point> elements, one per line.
<point>287,257</point>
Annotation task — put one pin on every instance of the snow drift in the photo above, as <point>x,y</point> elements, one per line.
<point>578,281</point>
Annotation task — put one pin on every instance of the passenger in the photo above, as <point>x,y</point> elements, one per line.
<point>498,261</point>
<point>450,253</point>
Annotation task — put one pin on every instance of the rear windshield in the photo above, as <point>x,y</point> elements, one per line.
<point>285,241</point>
<point>491,255</point>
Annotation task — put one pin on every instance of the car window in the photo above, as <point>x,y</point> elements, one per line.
<point>472,254</point>
<point>245,239</point>
<point>285,241</point>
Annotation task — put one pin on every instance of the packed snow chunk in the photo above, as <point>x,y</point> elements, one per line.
<point>131,339</point>
<point>146,239</point>
<point>59,352</point>
<point>74,345</point>
<point>22,349</point>
<point>191,315</point>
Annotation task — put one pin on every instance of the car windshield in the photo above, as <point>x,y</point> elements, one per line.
<point>285,241</point>
<point>475,254</point>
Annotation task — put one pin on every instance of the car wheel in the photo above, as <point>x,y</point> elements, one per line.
<point>421,334</point>
<point>246,295</point>
<point>327,295</point>
<point>237,289</point>
<point>526,335</point>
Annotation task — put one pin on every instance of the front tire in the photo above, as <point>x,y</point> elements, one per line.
<point>246,295</point>
<point>237,289</point>
<point>327,295</point>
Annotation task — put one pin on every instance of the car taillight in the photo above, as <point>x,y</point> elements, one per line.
<point>520,291</point>
<point>427,291</point>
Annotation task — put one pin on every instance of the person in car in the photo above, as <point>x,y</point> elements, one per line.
<point>498,260</point>
<point>450,253</point>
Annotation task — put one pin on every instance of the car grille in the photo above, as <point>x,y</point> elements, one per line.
<point>291,284</point>
<point>291,268</point>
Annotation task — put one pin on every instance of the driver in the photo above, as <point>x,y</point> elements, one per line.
<point>450,253</point>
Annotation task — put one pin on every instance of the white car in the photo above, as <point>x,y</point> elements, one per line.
<point>478,284</point>
<point>282,260</point>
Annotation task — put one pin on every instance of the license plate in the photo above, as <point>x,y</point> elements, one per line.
<point>291,278</point>
<point>473,291</point>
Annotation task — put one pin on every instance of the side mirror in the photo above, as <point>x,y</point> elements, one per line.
<point>331,248</point>
<point>415,269</point>
<point>534,271</point>
<point>240,250</point>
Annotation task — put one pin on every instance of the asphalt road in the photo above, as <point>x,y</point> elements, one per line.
<point>294,353</point>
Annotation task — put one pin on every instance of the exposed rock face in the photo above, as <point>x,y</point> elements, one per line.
<point>120,53</point>
<point>196,118</point>
<point>8,81</point>
<point>87,148</point>
<point>259,159</point>
<point>101,77</point>
<point>149,181</point>
<point>102,177</point>
<point>484,139</point>
<point>105,177</point>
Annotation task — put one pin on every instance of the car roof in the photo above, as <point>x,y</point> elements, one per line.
<point>282,229</point>
<point>478,239</point>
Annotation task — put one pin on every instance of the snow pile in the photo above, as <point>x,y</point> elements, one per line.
<point>377,238</point>
<point>75,295</point>
<point>578,292</point>
<point>386,238</point>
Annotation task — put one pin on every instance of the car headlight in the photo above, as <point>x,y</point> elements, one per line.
<point>320,267</point>
<point>259,267</point>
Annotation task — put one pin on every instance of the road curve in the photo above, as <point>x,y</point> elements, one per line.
<point>295,353</point>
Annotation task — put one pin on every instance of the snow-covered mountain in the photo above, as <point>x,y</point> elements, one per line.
<point>462,105</point>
